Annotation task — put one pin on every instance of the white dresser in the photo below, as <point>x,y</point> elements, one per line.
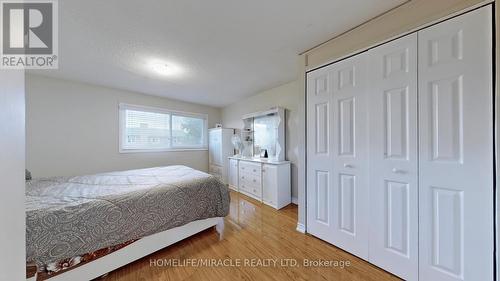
<point>265,180</point>
<point>219,148</point>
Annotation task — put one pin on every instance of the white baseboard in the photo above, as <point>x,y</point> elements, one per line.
<point>301,228</point>
<point>295,200</point>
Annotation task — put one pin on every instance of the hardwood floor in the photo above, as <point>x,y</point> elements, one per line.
<point>254,233</point>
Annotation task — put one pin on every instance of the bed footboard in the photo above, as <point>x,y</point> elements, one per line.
<point>137,250</point>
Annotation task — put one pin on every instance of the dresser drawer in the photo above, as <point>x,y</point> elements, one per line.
<point>250,179</point>
<point>251,187</point>
<point>250,168</point>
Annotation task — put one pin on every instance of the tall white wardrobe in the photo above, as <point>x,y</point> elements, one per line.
<point>400,161</point>
<point>219,149</point>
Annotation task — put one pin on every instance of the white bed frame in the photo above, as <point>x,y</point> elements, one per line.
<point>137,250</point>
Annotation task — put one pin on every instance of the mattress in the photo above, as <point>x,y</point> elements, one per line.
<point>71,216</point>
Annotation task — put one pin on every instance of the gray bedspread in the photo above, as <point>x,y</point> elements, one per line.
<point>70,216</point>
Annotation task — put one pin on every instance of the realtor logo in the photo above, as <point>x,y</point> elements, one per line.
<point>29,34</point>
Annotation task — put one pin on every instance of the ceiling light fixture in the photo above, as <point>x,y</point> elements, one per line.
<point>165,68</point>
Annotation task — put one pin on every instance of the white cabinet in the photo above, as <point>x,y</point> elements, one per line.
<point>215,146</point>
<point>267,181</point>
<point>418,199</point>
<point>276,187</point>
<point>219,149</point>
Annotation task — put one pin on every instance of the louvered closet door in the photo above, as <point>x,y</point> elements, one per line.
<point>319,153</point>
<point>456,149</point>
<point>393,157</point>
<point>350,156</point>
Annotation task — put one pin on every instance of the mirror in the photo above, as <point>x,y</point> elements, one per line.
<point>263,133</point>
<point>266,135</point>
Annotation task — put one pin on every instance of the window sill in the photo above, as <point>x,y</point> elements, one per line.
<point>161,150</point>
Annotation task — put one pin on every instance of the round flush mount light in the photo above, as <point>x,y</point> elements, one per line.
<point>165,68</point>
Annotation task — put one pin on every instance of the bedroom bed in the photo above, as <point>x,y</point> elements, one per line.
<point>79,228</point>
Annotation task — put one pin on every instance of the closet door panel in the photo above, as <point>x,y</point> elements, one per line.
<point>319,153</point>
<point>393,157</point>
<point>456,148</point>
<point>350,191</point>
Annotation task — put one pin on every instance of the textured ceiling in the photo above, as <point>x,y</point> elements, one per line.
<point>224,49</point>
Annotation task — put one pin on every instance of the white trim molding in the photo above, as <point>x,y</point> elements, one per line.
<point>301,228</point>
<point>381,42</point>
<point>160,150</point>
<point>12,164</point>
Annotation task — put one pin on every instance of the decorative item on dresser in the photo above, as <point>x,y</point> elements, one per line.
<point>265,180</point>
<point>219,148</point>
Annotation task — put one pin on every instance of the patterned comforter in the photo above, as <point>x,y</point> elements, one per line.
<point>71,216</point>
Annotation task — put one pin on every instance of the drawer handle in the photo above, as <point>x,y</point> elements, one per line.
<point>348,166</point>
<point>242,177</point>
<point>254,170</point>
<point>254,180</point>
<point>398,171</point>
<point>243,168</point>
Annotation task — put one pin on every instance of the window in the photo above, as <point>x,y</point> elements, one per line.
<point>187,131</point>
<point>155,129</point>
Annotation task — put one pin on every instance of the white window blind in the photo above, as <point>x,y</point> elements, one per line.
<point>155,129</point>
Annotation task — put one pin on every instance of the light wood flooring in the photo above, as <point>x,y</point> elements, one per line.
<point>253,231</point>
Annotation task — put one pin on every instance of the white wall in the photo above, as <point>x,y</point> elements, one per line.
<point>286,96</point>
<point>12,147</point>
<point>72,129</point>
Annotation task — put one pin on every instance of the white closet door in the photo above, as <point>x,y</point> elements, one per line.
<point>393,157</point>
<point>350,156</point>
<point>456,149</point>
<point>319,153</point>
